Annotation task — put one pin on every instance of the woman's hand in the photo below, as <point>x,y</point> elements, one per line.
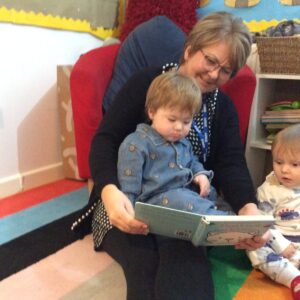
<point>249,209</point>
<point>121,212</point>
<point>253,243</point>
<point>257,241</point>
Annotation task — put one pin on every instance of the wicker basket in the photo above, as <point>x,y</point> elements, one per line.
<point>279,55</point>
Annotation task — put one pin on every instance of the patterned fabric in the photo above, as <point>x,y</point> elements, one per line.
<point>183,13</point>
<point>210,99</point>
<point>100,224</point>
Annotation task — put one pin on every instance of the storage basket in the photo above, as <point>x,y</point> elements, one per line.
<point>279,55</point>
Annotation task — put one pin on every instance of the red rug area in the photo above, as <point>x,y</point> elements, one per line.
<point>26,199</point>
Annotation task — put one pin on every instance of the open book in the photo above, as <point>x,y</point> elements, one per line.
<point>201,229</point>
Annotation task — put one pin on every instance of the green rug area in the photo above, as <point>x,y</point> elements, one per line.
<point>230,269</point>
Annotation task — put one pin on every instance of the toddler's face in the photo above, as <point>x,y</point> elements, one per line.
<point>287,170</point>
<point>171,123</point>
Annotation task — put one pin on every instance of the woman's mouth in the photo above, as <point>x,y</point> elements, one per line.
<point>206,85</point>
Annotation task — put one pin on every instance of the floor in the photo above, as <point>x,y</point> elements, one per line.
<point>76,271</point>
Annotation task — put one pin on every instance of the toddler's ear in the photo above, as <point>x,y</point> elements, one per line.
<point>150,113</point>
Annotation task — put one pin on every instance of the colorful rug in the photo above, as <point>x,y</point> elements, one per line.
<point>35,223</point>
<point>37,250</point>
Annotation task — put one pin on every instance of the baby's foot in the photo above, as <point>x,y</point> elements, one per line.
<point>295,287</point>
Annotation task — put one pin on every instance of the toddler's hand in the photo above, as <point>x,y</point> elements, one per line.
<point>203,183</point>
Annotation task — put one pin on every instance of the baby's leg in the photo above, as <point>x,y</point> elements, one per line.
<point>274,265</point>
<point>282,245</point>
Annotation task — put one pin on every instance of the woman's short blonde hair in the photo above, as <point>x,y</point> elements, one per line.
<point>221,27</point>
<point>174,90</point>
<point>287,142</point>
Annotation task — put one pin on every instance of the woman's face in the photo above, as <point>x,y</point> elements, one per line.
<point>209,66</point>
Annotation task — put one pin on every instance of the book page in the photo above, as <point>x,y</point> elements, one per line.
<point>232,229</point>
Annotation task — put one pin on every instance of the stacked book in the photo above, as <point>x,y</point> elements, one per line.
<point>280,115</point>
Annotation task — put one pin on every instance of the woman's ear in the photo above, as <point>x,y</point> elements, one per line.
<point>233,74</point>
<point>186,53</point>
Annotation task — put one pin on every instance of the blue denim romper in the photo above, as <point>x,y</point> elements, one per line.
<point>153,170</point>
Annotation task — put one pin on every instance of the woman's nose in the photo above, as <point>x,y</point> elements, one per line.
<point>214,74</point>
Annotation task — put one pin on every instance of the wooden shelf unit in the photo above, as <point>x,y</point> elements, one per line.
<point>270,88</point>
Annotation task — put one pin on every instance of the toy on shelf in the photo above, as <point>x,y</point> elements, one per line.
<point>285,104</point>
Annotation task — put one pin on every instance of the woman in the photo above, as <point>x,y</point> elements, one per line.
<point>216,48</point>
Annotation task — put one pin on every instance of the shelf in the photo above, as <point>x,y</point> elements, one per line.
<point>278,76</point>
<point>260,145</point>
<point>269,89</point>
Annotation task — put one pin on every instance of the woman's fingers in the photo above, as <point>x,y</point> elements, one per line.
<point>121,212</point>
<point>126,222</point>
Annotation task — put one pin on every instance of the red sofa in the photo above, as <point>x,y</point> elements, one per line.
<point>90,77</point>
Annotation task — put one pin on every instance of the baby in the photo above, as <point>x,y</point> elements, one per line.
<point>279,196</point>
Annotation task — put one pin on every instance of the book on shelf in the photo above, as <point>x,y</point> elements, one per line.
<point>282,112</point>
<point>275,120</point>
<point>281,116</point>
<point>208,230</point>
<point>270,127</point>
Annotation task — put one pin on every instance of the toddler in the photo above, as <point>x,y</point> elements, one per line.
<point>156,163</point>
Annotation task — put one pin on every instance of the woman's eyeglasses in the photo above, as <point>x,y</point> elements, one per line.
<point>211,64</point>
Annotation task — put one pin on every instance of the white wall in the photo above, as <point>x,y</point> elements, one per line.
<point>29,120</point>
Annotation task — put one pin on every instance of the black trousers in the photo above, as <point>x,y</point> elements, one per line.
<point>160,268</point>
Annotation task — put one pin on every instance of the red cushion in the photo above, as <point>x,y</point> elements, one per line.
<point>88,81</point>
<point>241,90</point>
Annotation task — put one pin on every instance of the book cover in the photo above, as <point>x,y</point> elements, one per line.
<point>209,230</point>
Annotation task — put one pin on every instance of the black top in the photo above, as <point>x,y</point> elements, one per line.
<point>226,156</point>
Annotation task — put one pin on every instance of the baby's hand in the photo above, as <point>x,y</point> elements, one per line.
<point>203,183</point>
<point>289,251</point>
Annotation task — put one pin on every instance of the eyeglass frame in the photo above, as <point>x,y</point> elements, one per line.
<point>212,64</point>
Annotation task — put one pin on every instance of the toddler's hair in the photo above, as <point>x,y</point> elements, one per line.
<point>174,90</point>
<point>287,141</point>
